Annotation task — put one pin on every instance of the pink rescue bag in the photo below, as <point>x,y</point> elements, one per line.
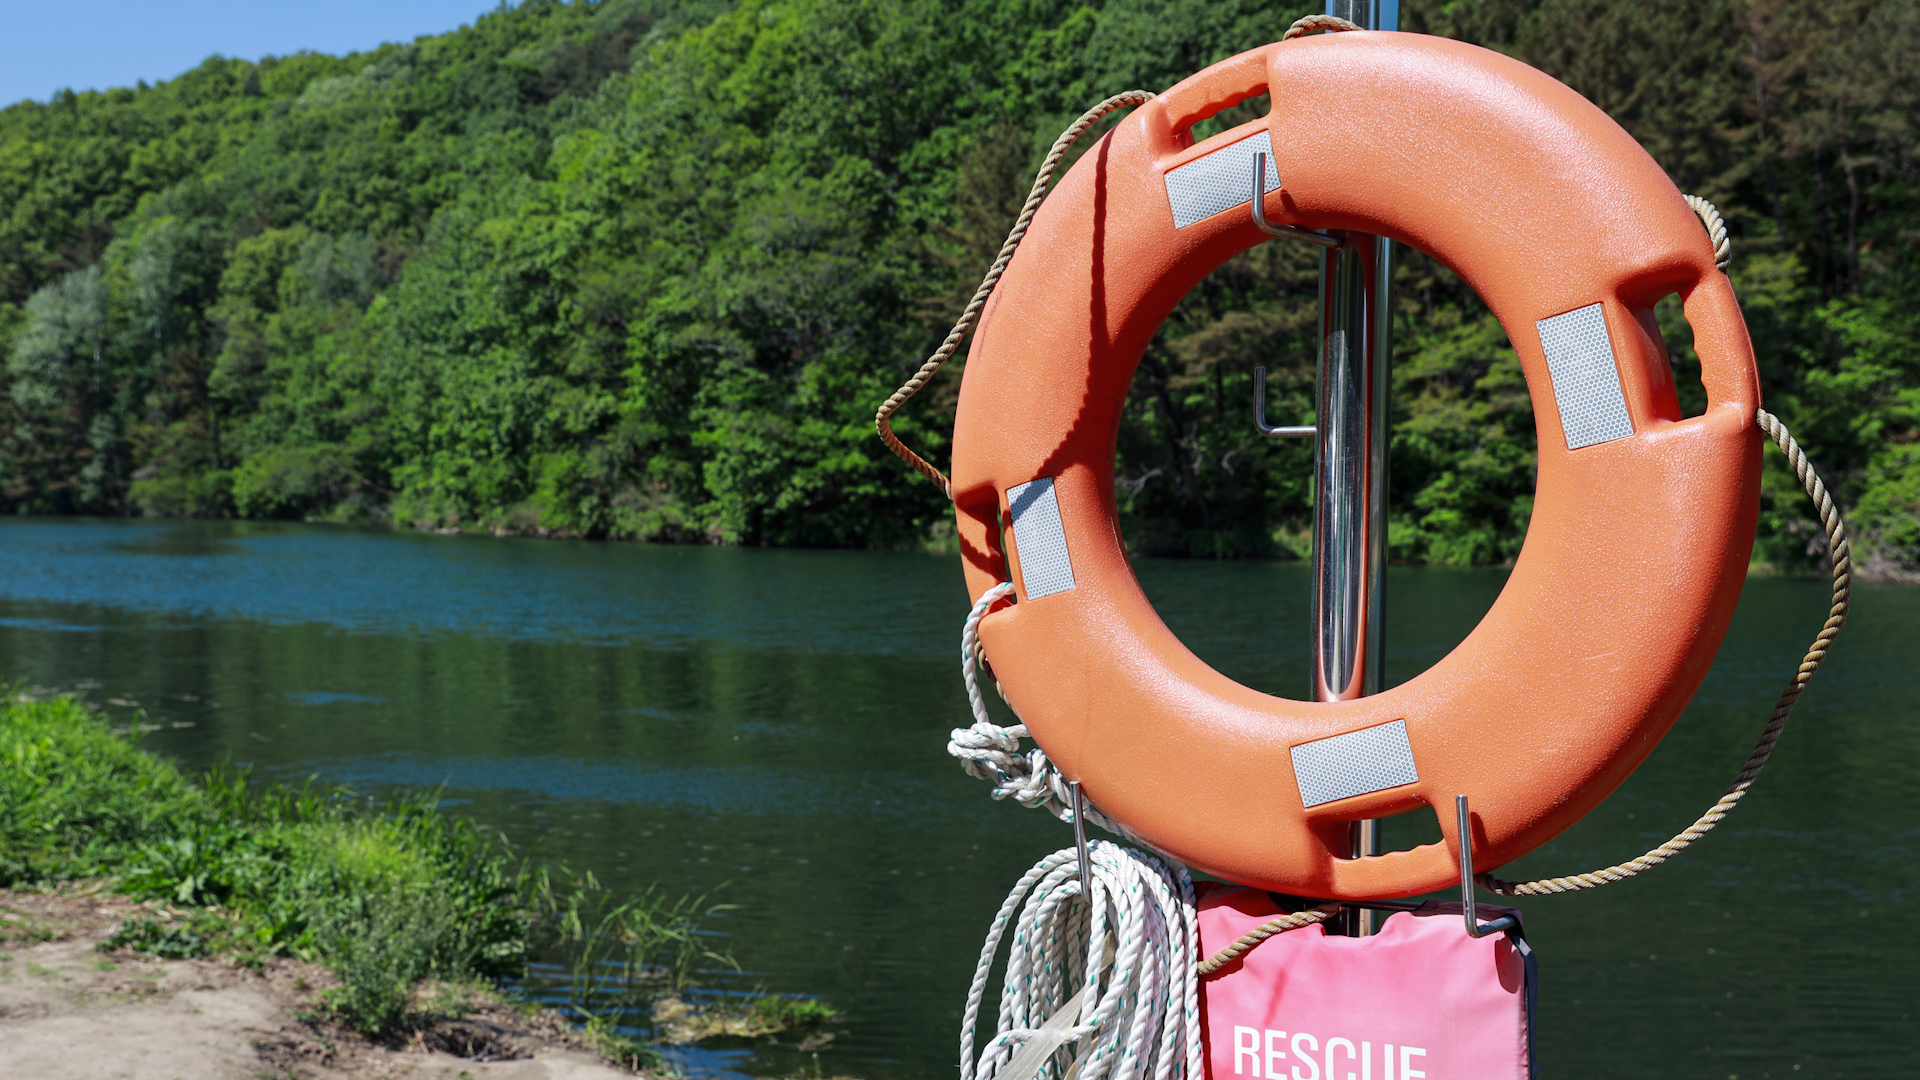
<point>1420,1000</point>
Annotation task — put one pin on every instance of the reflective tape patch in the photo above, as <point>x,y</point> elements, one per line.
<point>1586,380</point>
<point>1039,539</point>
<point>1220,181</point>
<point>1356,763</point>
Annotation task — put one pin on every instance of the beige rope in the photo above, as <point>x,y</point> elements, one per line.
<point>883,420</point>
<point>1709,216</point>
<point>1838,550</point>
<point>1264,931</point>
<point>1308,24</point>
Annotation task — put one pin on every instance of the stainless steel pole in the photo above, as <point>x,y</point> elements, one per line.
<point>1350,462</point>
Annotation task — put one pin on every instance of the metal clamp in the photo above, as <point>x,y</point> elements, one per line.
<point>1286,431</point>
<point>1469,910</point>
<point>1260,211</point>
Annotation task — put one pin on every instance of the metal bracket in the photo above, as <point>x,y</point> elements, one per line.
<point>1080,839</point>
<point>1260,212</point>
<point>1260,412</point>
<point>1469,910</point>
<point>1284,431</point>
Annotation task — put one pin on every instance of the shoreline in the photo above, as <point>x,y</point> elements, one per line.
<point>1875,569</point>
<point>73,1006</point>
<point>326,921</point>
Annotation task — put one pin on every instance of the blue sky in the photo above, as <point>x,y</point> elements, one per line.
<point>46,45</point>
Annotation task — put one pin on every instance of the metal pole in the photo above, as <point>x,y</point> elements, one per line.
<point>1350,463</point>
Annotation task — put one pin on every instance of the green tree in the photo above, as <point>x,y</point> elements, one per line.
<point>643,268</point>
<point>65,439</point>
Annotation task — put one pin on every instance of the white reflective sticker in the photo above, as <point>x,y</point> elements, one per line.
<point>1356,763</point>
<point>1039,539</point>
<point>1586,379</point>
<point>1219,181</point>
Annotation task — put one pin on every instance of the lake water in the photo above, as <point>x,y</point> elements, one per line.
<point>775,722</point>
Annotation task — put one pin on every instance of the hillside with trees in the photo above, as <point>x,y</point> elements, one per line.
<point>642,269</point>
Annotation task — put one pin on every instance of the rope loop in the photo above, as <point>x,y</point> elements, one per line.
<point>1841,555</point>
<point>883,419</point>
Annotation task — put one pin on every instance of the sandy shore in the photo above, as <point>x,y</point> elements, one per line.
<point>71,1012</point>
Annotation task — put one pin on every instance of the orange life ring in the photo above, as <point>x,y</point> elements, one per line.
<point>1640,534</point>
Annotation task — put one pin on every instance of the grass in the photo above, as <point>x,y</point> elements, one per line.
<point>391,896</point>
<point>385,895</point>
<point>785,1013</point>
<point>624,952</point>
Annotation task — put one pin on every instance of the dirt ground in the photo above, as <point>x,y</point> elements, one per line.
<point>71,1012</point>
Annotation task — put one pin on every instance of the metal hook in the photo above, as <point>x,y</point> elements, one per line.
<point>1260,412</point>
<point>1469,910</point>
<point>1260,211</point>
<point>1080,838</point>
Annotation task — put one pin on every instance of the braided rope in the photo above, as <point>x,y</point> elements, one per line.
<point>883,419</point>
<point>1264,931</point>
<point>992,753</point>
<point>1309,23</point>
<point>1841,555</point>
<point>1126,1009</point>
<point>1709,216</point>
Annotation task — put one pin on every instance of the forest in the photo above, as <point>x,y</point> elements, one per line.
<point>642,269</point>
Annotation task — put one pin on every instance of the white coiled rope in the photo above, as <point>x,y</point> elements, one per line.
<point>1133,1011</point>
<point>1129,1013</point>
<point>992,753</point>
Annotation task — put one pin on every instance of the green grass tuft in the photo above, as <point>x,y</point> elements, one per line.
<point>787,1013</point>
<point>174,941</point>
<point>387,895</point>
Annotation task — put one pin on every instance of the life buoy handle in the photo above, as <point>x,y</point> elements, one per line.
<point>1721,341</point>
<point>1215,90</point>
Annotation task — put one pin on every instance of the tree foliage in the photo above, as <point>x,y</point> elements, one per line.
<point>643,268</point>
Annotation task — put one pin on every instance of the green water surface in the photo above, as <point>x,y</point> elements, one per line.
<point>775,722</point>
